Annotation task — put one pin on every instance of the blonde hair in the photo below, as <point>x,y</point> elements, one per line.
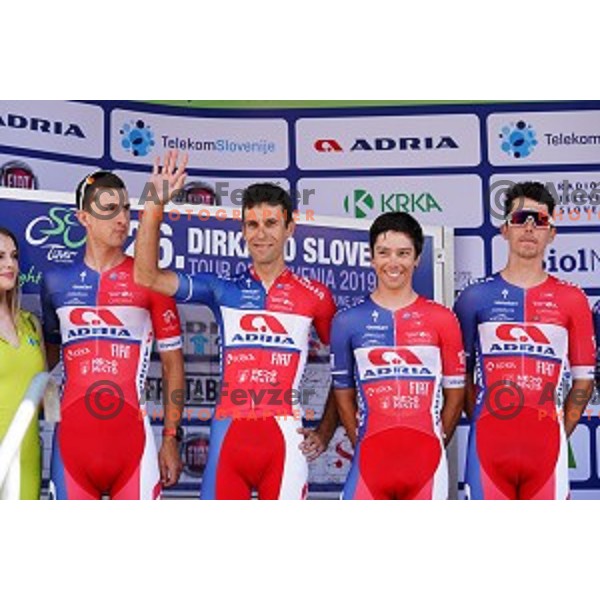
<point>13,297</point>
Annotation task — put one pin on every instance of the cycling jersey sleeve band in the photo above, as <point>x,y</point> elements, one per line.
<point>185,288</point>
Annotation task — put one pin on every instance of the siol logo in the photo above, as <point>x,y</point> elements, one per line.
<point>94,316</point>
<point>584,260</point>
<point>17,174</point>
<point>360,204</point>
<point>41,125</point>
<point>518,139</point>
<point>137,137</point>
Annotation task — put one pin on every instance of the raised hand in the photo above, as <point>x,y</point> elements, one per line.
<point>169,179</point>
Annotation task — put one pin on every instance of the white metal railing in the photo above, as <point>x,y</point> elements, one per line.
<point>42,387</point>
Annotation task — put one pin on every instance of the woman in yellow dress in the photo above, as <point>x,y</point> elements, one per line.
<point>21,357</point>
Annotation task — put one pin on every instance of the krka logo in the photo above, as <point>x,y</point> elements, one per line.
<point>361,204</point>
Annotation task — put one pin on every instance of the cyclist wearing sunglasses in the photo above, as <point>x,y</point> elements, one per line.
<point>530,351</point>
<point>104,444</point>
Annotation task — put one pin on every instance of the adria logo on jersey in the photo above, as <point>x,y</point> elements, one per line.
<point>521,333</point>
<point>390,362</point>
<point>263,329</point>
<point>395,356</point>
<point>95,322</point>
<point>262,323</point>
<point>93,316</point>
<point>545,341</point>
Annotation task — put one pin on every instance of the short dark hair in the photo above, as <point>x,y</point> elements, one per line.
<point>401,222</point>
<point>529,189</point>
<point>90,183</point>
<point>267,193</point>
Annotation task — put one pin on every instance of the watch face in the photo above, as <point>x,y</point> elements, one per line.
<point>179,434</point>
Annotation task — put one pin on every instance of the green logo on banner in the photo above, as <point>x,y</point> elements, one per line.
<point>360,205</point>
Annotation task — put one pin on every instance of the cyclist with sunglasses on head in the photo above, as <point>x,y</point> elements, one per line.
<point>530,351</point>
<point>106,324</point>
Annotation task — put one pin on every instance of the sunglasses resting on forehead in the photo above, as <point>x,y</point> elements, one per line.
<point>520,218</point>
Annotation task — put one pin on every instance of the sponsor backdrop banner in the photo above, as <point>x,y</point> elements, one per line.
<point>446,164</point>
<point>336,256</point>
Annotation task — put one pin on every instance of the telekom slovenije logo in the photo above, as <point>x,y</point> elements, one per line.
<point>137,137</point>
<point>518,139</point>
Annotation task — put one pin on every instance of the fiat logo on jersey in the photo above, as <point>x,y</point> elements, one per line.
<point>509,332</point>
<point>397,356</point>
<point>262,323</point>
<point>96,317</point>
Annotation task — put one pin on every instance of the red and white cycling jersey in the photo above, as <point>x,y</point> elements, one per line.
<point>106,324</point>
<point>523,347</point>
<point>399,361</point>
<point>265,337</point>
<point>104,444</point>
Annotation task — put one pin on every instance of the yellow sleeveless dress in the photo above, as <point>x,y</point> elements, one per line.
<point>17,368</point>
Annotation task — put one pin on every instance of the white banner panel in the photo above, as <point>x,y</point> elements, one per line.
<point>225,144</point>
<point>577,195</point>
<point>574,257</point>
<point>534,138</point>
<point>228,190</point>
<point>36,174</point>
<point>451,201</point>
<point>382,142</point>
<point>53,126</point>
